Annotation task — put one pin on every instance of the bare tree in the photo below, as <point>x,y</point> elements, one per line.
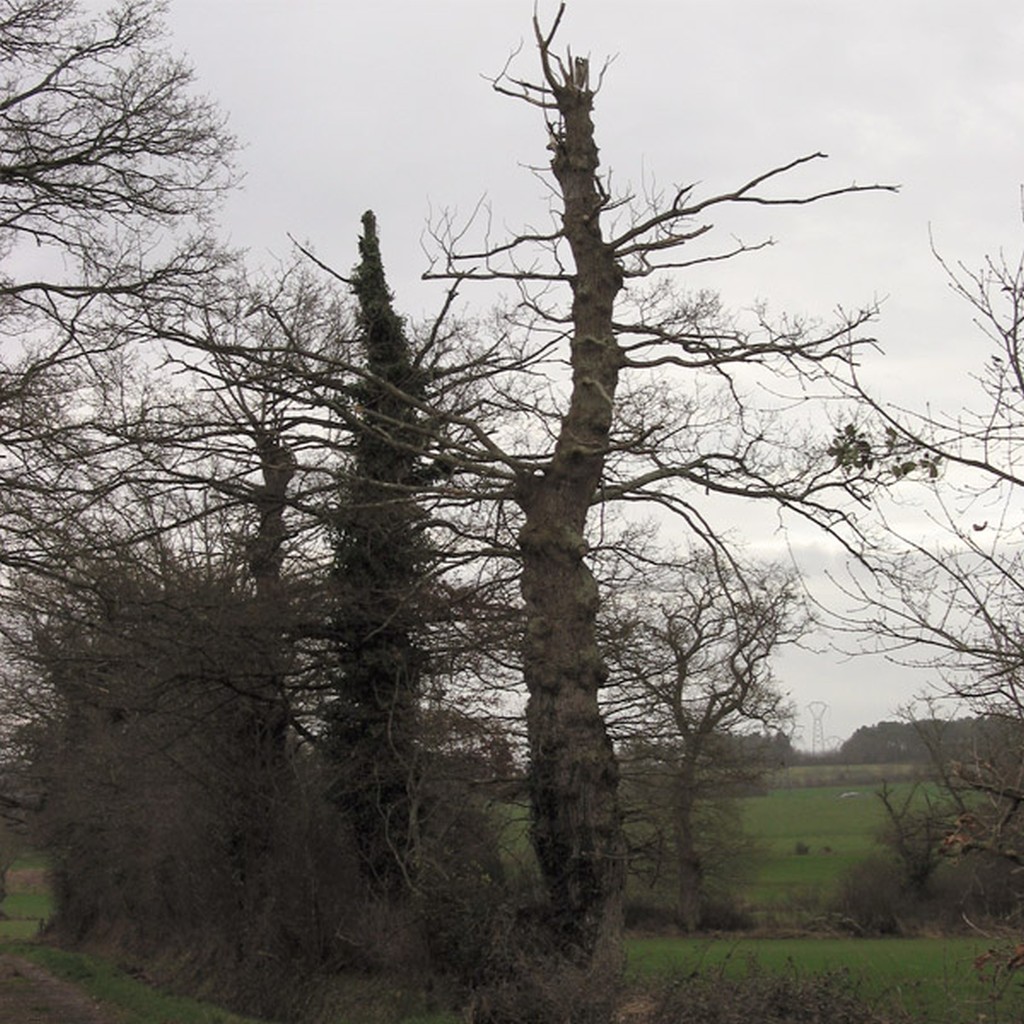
<point>917,823</point>
<point>692,695</point>
<point>103,149</point>
<point>109,169</point>
<point>953,603</point>
<point>605,417</point>
<point>635,392</point>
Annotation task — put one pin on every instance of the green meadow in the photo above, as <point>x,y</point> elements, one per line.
<point>835,832</point>
<point>28,904</point>
<point>808,837</point>
<point>933,979</point>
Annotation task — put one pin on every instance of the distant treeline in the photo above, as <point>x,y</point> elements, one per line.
<point>914,742</point>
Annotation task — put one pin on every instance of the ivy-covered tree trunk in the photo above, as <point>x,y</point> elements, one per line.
<point>573,770</point>
<point>380,563</point>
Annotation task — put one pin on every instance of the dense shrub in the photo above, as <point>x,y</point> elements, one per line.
<point>786,997</point>
<point>548,990</point>
<point>651,915</point>
<point>722,912</point>
<point>464,897</point>
<point>984,887</point>
<point>872,898</point>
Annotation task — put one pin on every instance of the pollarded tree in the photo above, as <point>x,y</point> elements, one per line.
<point>603,415</point>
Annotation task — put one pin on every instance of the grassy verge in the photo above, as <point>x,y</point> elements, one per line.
<point>131,1001</point>
<point>934,979</point>
<point>28,904</point>
<point>127,999</point>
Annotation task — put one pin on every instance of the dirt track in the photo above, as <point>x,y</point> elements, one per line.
<point>28,995</point>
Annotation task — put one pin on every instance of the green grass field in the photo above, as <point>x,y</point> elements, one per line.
<point>838,832</point>
<point>934,979</point>
<point>28,904</point>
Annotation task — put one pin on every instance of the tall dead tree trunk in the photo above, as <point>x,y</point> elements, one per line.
<point>573,770</point>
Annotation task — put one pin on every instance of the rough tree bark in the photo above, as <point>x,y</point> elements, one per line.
<point>573,771</point>
<point>599,454</point>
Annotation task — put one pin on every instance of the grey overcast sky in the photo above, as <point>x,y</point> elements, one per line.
<point>344,106</point>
